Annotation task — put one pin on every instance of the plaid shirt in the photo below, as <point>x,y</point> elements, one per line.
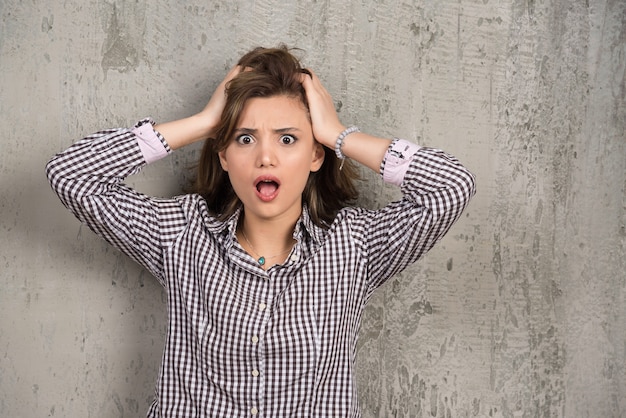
<point>242,341</point>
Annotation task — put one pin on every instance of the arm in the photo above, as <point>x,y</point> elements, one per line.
<point>436,189</point>
<point>88,178</point>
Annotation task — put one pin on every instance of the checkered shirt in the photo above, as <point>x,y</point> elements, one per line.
<point>241,341</point>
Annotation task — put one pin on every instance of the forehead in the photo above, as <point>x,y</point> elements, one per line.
<point>275,112</point>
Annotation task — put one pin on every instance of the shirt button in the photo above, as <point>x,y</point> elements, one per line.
<point>255,373</point>
<point>254,411</point>
<point>255,339</point>
<point>294,258</point>
<point>262,306</point>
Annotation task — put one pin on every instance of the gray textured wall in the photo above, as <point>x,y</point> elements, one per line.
<point>519,312</point>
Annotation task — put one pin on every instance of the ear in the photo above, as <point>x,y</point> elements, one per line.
<point>318,156</point>
<point>223,162</point>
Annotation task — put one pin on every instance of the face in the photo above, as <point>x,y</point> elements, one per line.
<point>270,156</point>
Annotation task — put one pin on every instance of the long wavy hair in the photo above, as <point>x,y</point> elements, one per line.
<point>270,72</point>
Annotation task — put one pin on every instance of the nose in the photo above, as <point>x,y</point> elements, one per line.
<point>266,156</point>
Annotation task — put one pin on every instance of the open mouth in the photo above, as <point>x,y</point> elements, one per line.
<point>267,187</point>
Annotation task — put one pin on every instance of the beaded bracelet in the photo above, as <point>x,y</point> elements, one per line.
<point>339,143</point>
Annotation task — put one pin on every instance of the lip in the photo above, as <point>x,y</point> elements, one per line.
<point>266,178</point>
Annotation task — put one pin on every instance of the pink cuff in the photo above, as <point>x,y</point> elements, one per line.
<point>151,146</point>
<point>397,160</point>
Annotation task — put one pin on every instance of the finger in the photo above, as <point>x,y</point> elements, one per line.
<point>305,79</point>
<point>232,73</point>
<point>316,81</point>
<point>313,86</point>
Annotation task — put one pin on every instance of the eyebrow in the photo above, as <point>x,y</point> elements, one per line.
<point>277,131</point>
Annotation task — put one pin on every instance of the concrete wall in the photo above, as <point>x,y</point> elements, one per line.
<point>519,312</point>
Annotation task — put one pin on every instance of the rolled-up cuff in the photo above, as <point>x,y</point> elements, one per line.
<point>152,145</point>
<point>397,160</point>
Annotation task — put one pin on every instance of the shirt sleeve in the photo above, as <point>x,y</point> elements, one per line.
<point>152,144</point>
<point>436,189</point>
<point>88,178</point>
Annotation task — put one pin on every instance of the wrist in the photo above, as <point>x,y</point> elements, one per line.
<point>329,140</point>
<point>182,132</point>
<point>339,142</point>
<point>205,124</point>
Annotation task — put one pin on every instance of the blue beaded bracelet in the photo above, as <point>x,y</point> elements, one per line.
<point>339,143</point>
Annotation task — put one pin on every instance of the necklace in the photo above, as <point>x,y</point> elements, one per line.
<point>261,260</point>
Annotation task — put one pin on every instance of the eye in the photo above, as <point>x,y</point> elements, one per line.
<point>287,139</point>
<point>244,139</point>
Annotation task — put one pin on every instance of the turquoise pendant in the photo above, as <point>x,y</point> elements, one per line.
<point>261,261</point>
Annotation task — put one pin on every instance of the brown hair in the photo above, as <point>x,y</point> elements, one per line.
<point>270,72</point>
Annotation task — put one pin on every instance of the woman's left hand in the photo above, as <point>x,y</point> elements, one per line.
<point>326,124</point>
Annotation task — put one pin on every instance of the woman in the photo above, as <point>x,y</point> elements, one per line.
<point>266,268</point>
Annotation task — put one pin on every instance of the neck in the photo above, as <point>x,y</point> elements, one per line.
<point>270,241</point>
<point>268,233</point>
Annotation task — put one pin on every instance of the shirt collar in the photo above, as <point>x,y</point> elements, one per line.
<point>304,227</point>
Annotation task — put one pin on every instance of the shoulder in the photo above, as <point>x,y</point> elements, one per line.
<point>195,209</point>
<point>351,219</point>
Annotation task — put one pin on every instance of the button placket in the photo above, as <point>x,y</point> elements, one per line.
<point>262,316</point>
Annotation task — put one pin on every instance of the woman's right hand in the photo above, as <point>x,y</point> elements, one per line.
<point>200,126</point>
<point>212,112</point>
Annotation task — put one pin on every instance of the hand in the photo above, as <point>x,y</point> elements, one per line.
<point>212,112</point>
<point>361,147</point>
<point>202,125</point>
<point>326,124</point>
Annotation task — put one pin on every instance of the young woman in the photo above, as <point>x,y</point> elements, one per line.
<point>266,268</point>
